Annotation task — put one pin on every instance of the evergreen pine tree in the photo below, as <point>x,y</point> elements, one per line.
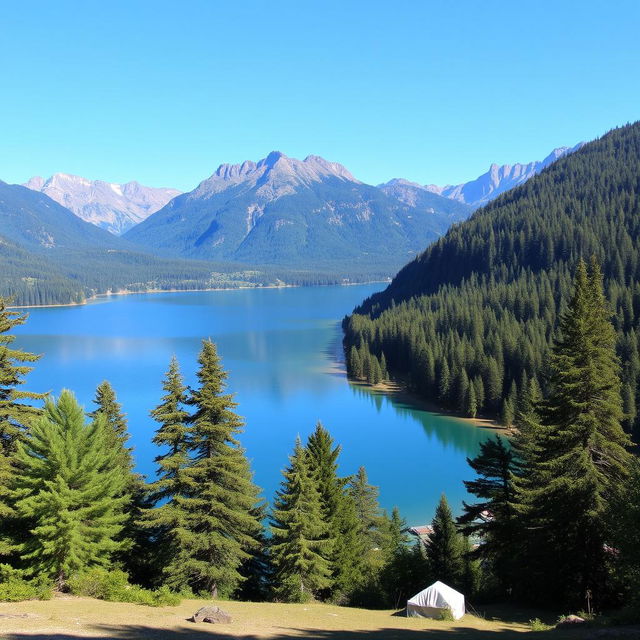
<point>444,383</point>
<point>220,527</point>
<point>405,566</point>
<point>507,414</point>
<point>365,498</point>
<point>110,408</point>
<point>344,546</point>
<point>299,545</point>
<point>355,363</point>
<point>135,540</point>
<point>493,518</point>
<point>383,367</point>
<point>579,455</point>
<point>445,548</point>
<point>69,489</point>
<point>15,413</point>
<point>471,403</point>
<point>166,520</point>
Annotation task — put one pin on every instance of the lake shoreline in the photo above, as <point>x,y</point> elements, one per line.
<point>125,292</point>
<point>402,394</point>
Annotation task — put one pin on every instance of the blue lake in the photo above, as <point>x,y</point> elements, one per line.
<point>282,349</point>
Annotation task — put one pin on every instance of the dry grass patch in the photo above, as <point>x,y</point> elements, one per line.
<point>68,617</point>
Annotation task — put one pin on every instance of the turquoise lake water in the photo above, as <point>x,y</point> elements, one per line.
<point>282,349</point>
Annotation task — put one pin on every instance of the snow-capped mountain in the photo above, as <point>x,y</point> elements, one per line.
<point>114,207</point>
<point>497,180</point>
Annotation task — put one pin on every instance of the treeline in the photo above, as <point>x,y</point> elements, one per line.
<point>31,279</point>
<point>470,322</point>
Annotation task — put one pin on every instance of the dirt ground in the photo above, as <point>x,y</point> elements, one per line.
<point>66,618</point>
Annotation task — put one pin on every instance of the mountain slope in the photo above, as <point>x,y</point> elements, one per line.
<point>50,256</point>
<point>478,309</point>
<point>36,222</point>
<point>498,179</point>
<point>114,207</point>
<point>288,212</point>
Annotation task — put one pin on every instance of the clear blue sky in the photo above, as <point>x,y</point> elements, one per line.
<point>432,91</point>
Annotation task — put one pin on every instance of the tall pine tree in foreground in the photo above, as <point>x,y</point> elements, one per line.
<point>220,523</point>
<point>445,549</point>
<point>68,490</point>
<point>168,519</point>
<point>299,547</point>
<point>135,551</point>
<point>345,547</point>
<point>493,518</point>
<point>576,457</point>
<point>15,413</point>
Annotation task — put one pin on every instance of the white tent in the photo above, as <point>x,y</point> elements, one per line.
<point>430,602</point>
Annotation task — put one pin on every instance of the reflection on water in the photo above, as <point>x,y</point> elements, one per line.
<point>282,348</point>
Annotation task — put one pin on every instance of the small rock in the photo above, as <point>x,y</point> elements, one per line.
<point>570,620</point>
<point>214,615</point>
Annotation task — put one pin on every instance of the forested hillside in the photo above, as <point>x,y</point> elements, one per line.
<point>469,322</point>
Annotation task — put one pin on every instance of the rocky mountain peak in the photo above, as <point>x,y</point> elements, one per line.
<point>112,206</point>
<point>277,174</point>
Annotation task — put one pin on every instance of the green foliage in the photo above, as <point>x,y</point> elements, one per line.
<point>164,517</point>
<point>345,548</point>
<point>574,457</point>
<point>300,545</point>
<point>625,535</point>
<point>15,413</point>
<point>68,491</point>
<point>493,518</point>
<point>445,550</point>
<point>118,435</point>
<point>486,298</point>
<point>216,529</point>
<point>446,615</point>
<point>15,587</point>
<point>537,625</point>
<point>113,586</point>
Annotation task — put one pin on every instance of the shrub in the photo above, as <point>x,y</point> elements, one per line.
<point>537,625</point>
<point>114,586</point>
<point>446,615</point>
<point>14,587</point>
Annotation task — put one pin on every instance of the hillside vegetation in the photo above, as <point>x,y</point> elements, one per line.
<point>469,322</point>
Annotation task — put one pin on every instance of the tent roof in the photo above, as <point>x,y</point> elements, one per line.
<point>437,595</point>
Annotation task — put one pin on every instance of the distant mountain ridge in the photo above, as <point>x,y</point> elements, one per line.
<point>498,179</point>
<point>111,206</point>
<point>285,211</point>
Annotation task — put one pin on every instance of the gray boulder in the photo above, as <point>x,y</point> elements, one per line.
<point>215,615</point>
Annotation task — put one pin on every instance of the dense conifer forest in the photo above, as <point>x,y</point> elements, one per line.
<point>470,322</point>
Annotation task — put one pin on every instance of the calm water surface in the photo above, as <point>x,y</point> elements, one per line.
<point>282,350</point>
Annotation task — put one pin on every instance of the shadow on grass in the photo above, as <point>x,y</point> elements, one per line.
<point>211,632</point>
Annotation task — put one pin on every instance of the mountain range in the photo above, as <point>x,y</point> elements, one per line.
<point>498,179</point>
<point>276,220</point>
<point>111,206</point>
<point>307,213</point>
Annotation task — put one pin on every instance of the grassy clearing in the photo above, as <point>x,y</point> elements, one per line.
<point>69,617</point>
